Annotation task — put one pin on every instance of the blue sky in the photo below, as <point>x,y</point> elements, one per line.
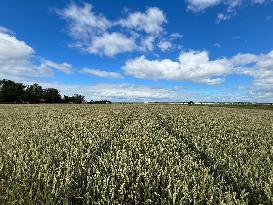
<point>201,50</point>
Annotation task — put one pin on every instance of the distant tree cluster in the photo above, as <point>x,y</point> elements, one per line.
<point>12,92</point>
<point>76,98</point>
<point>100,102</point>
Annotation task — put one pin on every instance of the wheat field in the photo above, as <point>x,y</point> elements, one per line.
<point>135,154</point>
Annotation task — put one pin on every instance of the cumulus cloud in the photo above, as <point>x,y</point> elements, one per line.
<point>150,21</point>
<point>147,43</point>
<point>192,66</point>
<point>124,92</point>
<point>11,48</point>
<point>94,33</point>
<point>111,44</point>
<point>102,73</point>
<point>231,6</point>
<point>200,5</point>
<point>164,45</point>
<point>83,22</point>
<point>260,67</point>
<point>16,60</point>
<point>223,17</point>
<point>243,59</point>
<point>140,93</point>
<point>15,57</point>
<point>195,66</point>
<point>90,31</point>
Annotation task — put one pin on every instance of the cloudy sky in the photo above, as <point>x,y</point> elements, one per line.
<point>201,50</point>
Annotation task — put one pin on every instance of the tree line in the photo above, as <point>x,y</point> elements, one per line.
<point>12,92</point>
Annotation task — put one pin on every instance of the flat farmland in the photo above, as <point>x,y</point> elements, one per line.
<point>135,154</point>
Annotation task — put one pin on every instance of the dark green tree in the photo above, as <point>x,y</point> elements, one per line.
<point>76,99</point>
<point>11,92</point>
<point>67,99</point>
<point>34,93</point>
<point>52,95</point>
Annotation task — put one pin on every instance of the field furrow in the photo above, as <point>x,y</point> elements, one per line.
<point>135,154</point>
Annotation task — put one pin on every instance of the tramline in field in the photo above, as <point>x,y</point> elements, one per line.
<point>135,154</point>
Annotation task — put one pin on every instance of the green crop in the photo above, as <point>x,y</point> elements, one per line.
<point>135,154</point>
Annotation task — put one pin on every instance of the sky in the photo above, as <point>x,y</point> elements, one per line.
<point>145,50</point>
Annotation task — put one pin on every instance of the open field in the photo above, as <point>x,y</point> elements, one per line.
<point>259,107</point>
<point>135,154</point>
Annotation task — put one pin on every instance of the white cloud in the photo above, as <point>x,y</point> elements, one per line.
<point>260,67</point>
<point>176,35</point>
<point>111,44</point>
<point>83,21</point>
<point>223,17</point>
<point>151,21</point>
<point>102,73</point>
<point>258,1</point>
<point>140,93</point>
<point>5,30</point>
<point>192,66</point>
<point>164,45</point>
<point>200,5</point>
<point>231,6</point>
<point>16,60</point>
<point>123,92</point>
<point>243,59</point>
<point>63,67</point>
<point>148,43</point>
<point>95,34</point>
<point>233,3</point>
<point>230,11</point>
<point>218,45</point>
<point>90,31</point>
<point>195,66</point>
<point>11,48</point>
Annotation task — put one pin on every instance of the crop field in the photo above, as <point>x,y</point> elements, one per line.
<point>135,154</point>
